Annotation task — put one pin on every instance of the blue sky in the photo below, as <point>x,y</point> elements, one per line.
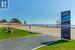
<point>38,11</point>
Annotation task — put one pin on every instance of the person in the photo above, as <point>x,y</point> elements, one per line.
<point>29,26</point>
<point>8,30</point>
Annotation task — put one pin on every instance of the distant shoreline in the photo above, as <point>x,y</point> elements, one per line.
<point>40,25</point>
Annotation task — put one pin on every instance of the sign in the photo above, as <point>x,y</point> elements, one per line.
<point>65,24</point>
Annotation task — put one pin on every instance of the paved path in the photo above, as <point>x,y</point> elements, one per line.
<point>25,43</point>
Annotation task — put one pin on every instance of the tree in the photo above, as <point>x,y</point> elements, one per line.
<point>4,20</point>
<point>15,20</point>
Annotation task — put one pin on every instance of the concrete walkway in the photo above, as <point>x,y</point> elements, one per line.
<point>25,43</point>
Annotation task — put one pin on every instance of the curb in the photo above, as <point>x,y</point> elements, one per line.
<point>38,47</point>
<point>42,45</point>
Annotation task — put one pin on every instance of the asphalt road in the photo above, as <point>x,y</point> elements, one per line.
<point>26,43</point>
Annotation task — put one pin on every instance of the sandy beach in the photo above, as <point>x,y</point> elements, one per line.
<point>44,30</point>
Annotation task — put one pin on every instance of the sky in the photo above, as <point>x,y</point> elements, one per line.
<point>38,11</point>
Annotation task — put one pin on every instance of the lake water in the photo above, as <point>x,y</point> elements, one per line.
<point>50,25</point>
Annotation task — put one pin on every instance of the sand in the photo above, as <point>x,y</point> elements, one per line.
<point>44,30</point>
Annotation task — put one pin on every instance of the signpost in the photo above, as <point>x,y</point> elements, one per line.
<point>65,24</point>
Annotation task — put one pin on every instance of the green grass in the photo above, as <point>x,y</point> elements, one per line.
<point>60,45</point>
<point>15,33</point>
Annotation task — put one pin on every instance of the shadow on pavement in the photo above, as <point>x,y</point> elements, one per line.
<point>58,42</point>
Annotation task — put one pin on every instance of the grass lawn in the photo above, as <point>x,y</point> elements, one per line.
<point>60,45</point>
<point>15,33</point>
